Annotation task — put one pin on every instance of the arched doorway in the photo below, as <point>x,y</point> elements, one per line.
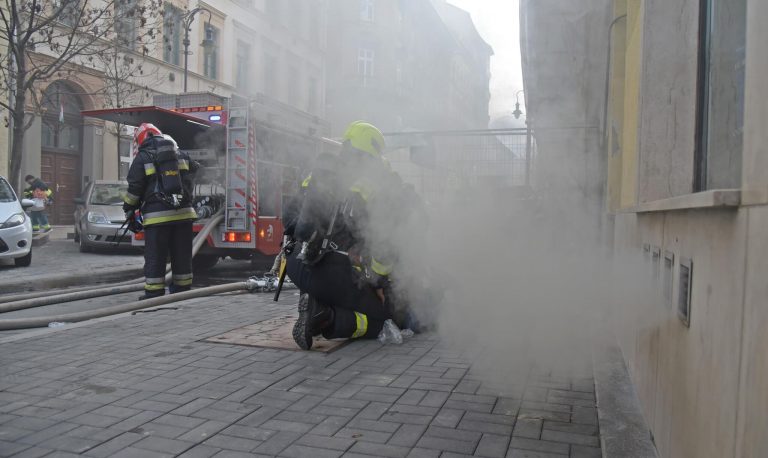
<point>62,140</point>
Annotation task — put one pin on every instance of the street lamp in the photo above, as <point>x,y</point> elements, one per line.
<point>207,39</point>
<point>517,113</point>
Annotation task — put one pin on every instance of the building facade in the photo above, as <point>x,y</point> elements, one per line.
<point>563,56</point>
<point>271,51</point>
<point>405,65</point>
<point>683,103</point>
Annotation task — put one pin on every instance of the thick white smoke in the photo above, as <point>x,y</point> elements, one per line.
<point>518,282</point>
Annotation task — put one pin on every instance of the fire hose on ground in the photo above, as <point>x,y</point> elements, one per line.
<point>41,298</point>
<point>37,322</point>
<point>253,284</point>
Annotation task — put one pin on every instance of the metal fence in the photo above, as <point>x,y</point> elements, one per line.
<point>440,163</point>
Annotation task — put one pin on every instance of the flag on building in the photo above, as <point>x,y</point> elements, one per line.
<point>61,113</point>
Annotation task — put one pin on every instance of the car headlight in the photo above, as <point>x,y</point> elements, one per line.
<point>15,220</point>
<point>95,217</point>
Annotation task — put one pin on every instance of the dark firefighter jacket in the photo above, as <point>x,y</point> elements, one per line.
<point>145,192</point>
<point>363,206</point>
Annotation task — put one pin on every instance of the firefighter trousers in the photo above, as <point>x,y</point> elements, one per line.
<point>160,242</point>
<point>358,311</point>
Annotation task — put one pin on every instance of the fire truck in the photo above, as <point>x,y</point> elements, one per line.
<point>252,162</point>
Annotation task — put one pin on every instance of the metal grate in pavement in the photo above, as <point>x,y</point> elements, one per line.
<point>272,333</point>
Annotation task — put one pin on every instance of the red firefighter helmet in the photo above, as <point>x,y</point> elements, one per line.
<point>143,132</point>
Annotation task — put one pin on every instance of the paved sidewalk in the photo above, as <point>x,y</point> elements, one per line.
<point>147,386</point>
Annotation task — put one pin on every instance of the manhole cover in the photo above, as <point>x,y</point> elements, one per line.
<point>273,333</point>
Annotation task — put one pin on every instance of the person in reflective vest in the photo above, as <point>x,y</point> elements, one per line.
<point>160,184</point>
<point>42,195</point>
<point>340,261</point>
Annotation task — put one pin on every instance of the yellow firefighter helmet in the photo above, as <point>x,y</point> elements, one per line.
<point>365,137</point>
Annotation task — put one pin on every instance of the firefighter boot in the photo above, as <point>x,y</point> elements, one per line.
<point>313,317</point>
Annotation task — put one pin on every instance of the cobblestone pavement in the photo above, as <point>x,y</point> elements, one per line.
<point>147,386</point>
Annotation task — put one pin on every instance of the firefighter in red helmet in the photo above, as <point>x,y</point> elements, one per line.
<point>160,184</point>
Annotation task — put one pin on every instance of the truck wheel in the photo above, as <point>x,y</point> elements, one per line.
<point>24,261</point>
<point>204,262</point>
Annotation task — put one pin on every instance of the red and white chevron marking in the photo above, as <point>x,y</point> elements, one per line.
<point>252,178</point>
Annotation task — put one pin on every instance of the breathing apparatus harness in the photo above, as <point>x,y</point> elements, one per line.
<point>168,185</point>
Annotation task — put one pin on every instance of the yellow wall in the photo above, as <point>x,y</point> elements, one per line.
<point>615,123</point>
<point>624,105</point>
<point>631,103</point>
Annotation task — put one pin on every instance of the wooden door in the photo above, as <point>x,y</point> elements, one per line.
<point>62,174</point>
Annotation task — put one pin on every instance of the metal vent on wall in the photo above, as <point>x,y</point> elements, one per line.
<point>684,291</point>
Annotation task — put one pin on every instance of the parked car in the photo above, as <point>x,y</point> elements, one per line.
<point>99,215</point>
<point>15,226</point>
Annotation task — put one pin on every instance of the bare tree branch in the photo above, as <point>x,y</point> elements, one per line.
<point>47,40</point>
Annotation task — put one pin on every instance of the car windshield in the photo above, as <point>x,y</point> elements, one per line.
<point>108,194</point>
<point>6,193</point>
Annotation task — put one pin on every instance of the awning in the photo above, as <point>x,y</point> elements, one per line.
<point>186,130</point>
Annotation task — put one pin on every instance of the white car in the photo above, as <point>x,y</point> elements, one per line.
<point>15,226</point>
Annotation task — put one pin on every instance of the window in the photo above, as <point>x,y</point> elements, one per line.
<point>273,8</point>
<point>270,75</point>
<point>211,55</point>
<point>242,75</point>
<point>61,124</point>
<point>69,137</point>
<point>298,18</point>
<point>172,28</point>
<point>125,23</point>
<point>124,149</point>
<point>365,63</point>
<point>6,192</point>
<point>63,136</point>
<point>312,96</point>
<point>108,194</point>
<point>293,88</point>
<point>248,4</point>
<point>70,14</point>
<point>314,24</point>
<point>720,98</point>
<point>366,10</point>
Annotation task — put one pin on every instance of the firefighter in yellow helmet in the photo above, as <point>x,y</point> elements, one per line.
<point>340,261</point>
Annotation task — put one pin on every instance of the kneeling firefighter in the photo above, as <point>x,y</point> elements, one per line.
<point>160,184</point>
<point>339,261</point>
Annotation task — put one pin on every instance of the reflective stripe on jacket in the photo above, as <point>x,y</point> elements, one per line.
<point>143,189</point>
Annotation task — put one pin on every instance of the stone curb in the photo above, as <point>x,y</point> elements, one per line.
<point>623,430</point>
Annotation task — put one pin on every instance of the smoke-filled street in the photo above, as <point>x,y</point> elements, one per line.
<point>378,228</point>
